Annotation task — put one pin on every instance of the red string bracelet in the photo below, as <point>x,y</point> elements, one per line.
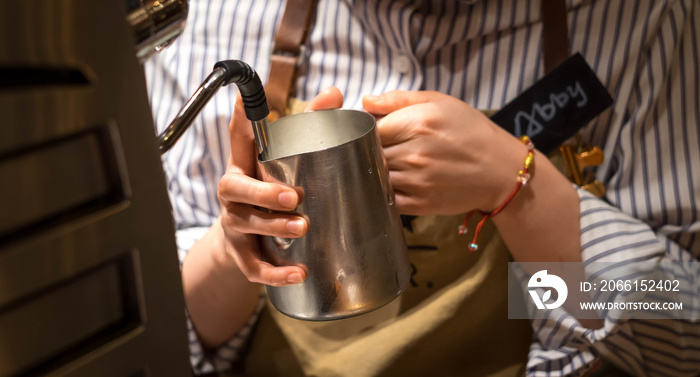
<point>523,177</point>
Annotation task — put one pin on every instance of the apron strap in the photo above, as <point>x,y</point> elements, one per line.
<point>555,33</point>
<point>287,54</point>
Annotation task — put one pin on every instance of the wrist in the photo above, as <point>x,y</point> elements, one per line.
<point>218,252</point>
<point>507,178</point>
<point>522,179</point>
<point>209,256</point>
<point>545,184</point>
<point>542,222</point>
<point>218,296</point>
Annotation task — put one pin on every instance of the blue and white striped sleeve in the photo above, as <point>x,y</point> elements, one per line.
<point>563,347</point>
<point>650,213</point>
<point>221,358</point>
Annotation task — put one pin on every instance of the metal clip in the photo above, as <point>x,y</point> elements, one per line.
<point>576,162</point>
<point>299,57</point>
<point>596,188</point>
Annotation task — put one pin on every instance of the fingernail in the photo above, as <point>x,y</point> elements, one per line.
<point>295,278</point>
<point>287,199</point>
<point>296,226</point>
<point>373,98</point>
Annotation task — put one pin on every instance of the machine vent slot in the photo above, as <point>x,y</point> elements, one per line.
<point>19,77</point>
<point>56,182</point>
<point>60,323</point>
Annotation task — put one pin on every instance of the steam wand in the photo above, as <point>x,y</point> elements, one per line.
<point>252,93</point>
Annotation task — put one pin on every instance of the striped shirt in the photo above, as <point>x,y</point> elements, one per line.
<point>485,53</point>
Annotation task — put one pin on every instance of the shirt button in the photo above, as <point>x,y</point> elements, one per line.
<point>403,64</point>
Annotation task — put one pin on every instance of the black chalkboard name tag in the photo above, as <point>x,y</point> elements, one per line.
<point>556,106</point>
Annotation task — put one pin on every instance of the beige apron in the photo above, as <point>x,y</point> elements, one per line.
<point>450,321</point>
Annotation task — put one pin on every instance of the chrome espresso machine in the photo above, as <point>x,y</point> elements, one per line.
<point>89,277</point>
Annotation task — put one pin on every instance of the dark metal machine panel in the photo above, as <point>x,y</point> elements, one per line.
<point>89,278</point>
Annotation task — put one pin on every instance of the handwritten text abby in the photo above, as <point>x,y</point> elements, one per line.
<point>530,124</point>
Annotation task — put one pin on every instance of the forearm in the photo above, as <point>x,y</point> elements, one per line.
<point>219,298</point>
<point>541,223</point>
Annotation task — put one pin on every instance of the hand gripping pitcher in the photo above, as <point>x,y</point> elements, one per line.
<point>354,250</point>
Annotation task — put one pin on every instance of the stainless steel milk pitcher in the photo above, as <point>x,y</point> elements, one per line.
<point>354,250</point>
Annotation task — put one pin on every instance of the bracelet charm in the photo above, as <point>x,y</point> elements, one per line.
<point>524,176</point>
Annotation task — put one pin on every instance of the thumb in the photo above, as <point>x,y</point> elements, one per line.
<point>242,140</point>
<point>395,100</point>
<point>329,98</point>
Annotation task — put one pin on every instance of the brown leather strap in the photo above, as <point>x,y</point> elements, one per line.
<point>572,158</point>
<point>290,37</point>
<point>555,33</point>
